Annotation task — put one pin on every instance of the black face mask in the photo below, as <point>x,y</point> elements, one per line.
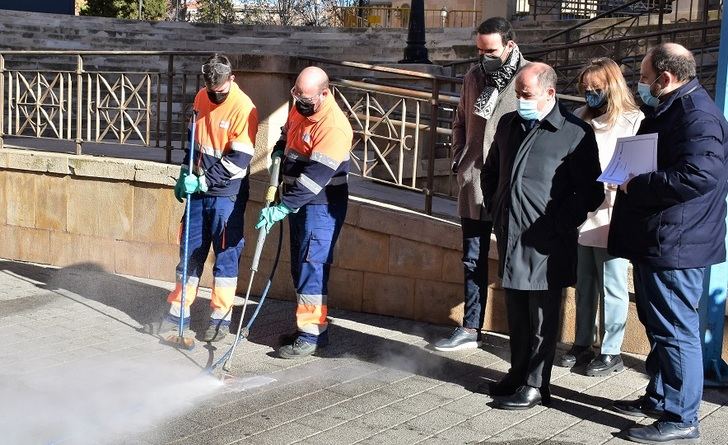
<point>489,63</point>
<point>305,108</point>
<point>217,97</point>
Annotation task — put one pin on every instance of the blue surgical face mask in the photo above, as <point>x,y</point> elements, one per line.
<point>528,109</point>
<point>643,90</point>
<point>595,99</point>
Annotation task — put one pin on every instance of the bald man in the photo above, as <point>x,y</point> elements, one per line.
<point>671,224</point>
<point>314,145</point>
<point>539,182</point>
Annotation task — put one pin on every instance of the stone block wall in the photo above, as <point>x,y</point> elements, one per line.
<point>121,216</point>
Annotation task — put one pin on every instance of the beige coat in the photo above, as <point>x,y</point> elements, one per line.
<point>472,136</point>
<point>595,229</point>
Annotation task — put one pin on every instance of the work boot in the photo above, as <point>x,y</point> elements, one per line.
<point>604,365</point>
<point>577,355</point>
<point>461,338</point>
<point>171,323</point>
<point>216,331</point>
<point>298,349</point>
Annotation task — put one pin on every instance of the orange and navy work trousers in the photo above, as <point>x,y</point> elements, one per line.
<point>314,231</point>
<point>216,221</point>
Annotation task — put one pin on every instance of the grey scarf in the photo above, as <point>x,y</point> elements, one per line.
<point>494,83</point>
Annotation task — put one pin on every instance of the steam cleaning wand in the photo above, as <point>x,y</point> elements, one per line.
<point>242,333</point>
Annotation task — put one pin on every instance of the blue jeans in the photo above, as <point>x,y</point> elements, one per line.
<point>314,231</point>
<point>476,241</point>
<point>600,276</point>
<point>667,305</point>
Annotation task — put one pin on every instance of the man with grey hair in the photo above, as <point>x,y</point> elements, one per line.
<point>539,182</point>
<point>671,224</point>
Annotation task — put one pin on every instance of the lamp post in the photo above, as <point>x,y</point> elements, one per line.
<point>443,16</point>
<point>415,51</point>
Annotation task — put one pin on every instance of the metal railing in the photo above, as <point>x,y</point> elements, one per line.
<point>674,10</point>
<point>91,97</point>
<point>390,17</point>
<point>633,17</point>
<point>402,119</point>
<point>632,26</point>
<point>402,123</point>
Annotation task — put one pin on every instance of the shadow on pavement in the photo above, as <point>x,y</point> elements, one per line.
<point>143,303</point>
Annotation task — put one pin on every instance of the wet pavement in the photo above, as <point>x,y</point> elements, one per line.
<point>77,366</point>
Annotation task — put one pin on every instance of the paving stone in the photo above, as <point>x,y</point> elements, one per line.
<point>420,403</point>
<point>282,434</point>
<point>436,420</point>
<point>399,435</point>
<point>370,401</point>
<point>328,417</point>
<point>377,384</point>
<point>350,432</point>
<point>458,435</point>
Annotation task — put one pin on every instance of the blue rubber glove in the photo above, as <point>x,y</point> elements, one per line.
<point>194,183</point>
<point>179,187</point>
<point>271,215</point>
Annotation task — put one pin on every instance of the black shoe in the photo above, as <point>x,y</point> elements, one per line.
<point>637,408</point>
<point>298,349</point>
<point>577,355</point>
<point>215,332</point>
<point>604,365</point>
<point>504,387</point>
<point>525,397</point>
<point>664,433</point>
<point>461,338</point>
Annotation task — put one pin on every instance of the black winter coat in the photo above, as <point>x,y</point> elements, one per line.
<point>539,186</point>
<point>674,217</point>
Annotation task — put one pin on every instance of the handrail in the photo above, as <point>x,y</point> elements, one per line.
<point>621,39</point>
<point>383,69</point>
<point>543,51</point>
<point>84,52</point>
<point>450,99</point>
<point>585,22</point>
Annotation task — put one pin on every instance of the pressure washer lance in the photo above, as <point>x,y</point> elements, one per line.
<point>270,197</point>
<point>180,341</point>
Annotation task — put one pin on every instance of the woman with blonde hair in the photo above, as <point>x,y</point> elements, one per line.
<point>611,111</point>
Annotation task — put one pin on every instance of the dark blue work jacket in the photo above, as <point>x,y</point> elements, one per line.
<point>674,217</point>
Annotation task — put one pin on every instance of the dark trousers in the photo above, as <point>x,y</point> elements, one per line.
<point>476,241</point>
<point>314,230</point>
<point>533,324</point>
<point>667,305</point>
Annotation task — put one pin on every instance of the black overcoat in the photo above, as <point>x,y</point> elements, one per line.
<point>539,185</point>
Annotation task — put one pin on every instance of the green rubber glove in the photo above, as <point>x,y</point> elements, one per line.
<point>194,183</point>
<point>271,215</point>
<point>179,187</point>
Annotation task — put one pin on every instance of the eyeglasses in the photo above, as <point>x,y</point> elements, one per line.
<point>305,100</point>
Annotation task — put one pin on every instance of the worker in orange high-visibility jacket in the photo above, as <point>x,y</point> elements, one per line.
<point>226,125</point>
<point>314,145</point>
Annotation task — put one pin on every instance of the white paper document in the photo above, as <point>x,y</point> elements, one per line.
<point>633,155</point>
